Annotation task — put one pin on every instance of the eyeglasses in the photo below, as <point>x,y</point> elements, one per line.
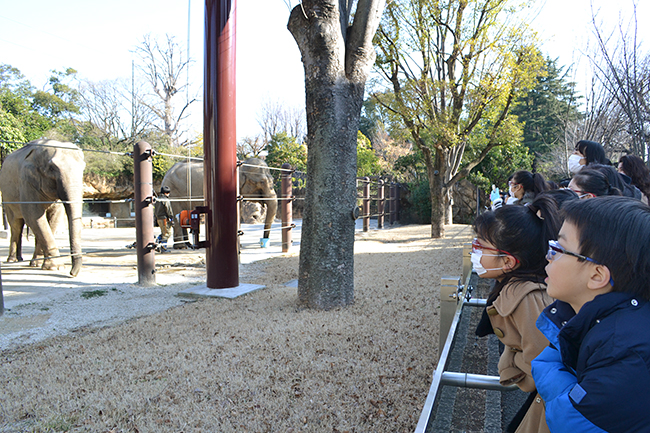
<point>479,247</point>
<point>554,248</point>
<point>511,183</point>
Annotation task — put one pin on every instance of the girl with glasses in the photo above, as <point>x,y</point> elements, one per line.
<point>510,247</point>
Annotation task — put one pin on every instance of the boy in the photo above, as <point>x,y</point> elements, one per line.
<point>595,374</point>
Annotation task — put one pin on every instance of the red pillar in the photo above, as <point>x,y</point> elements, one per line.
<point>220,145</point>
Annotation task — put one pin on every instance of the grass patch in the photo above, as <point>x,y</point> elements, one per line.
<point>93,293</point>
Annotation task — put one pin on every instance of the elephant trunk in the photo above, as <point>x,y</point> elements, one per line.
<point>271,210</point>
<point>73,209</point>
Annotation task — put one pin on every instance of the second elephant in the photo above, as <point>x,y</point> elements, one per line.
<point>185,180</point>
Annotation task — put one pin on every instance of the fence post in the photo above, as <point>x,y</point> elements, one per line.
<point>366,203</point>
<point>287,208</point>
<point>448,301</point>
<point>143,192</point>
<point>2,297</point>
<point>393,204</point>
<point>380,204</point>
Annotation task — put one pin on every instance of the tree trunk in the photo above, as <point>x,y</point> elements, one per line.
<point>336,66</point>
<point>439,193</point>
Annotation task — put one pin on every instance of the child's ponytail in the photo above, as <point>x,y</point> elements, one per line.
<point>546,210</point>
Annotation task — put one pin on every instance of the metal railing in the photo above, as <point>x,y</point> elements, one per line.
<point>454,297</point>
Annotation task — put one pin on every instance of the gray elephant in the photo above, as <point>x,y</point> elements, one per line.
<point>254,183</point>
<point>47,177</point>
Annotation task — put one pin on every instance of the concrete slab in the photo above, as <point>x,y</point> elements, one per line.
<point>230,293</point>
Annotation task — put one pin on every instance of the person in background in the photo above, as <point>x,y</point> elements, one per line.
<point>617,180</point>
<point>524,186</point>
<point>589,183</point>
<point>510,247</point>
<point>595,374</point>
<point>587,152</point>
<point>637,172</point>
<point>164,215</point>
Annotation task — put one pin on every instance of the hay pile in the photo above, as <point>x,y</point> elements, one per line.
<point>256,363</point>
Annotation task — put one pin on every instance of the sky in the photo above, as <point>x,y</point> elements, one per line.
<point>98,39</point>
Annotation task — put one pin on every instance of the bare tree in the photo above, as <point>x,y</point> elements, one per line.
<point>250,147</point>
<point>112,111</point>
<point>623,73</point>
<point>337,55</point>
<point>275,118</point>
<point>163,67</point>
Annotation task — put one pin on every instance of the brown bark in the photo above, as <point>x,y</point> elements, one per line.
<point>336,65</point>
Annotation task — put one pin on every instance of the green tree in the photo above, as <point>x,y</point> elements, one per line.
<point>473,62</point>
<point>367,160</point>
<point>546,109</point>
<point>284,148</point>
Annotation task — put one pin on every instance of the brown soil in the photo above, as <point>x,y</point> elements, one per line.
<point>256,363</point>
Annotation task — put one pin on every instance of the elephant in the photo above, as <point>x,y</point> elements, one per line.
<point>254,183</point>
<point>47,177</point>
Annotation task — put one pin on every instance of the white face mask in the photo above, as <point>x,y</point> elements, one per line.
<point>574,163</point>
<point>476,262</point>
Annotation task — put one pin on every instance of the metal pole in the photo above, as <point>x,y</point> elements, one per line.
<point>448,302</point>
<point>393,203</point>
<point>287,207</point>
<point>220,145</point>
<point>380,204</point>
<point>143,198</point>
<point>366,203</point>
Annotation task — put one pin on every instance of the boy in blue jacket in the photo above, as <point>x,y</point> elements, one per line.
<point>595,374</point>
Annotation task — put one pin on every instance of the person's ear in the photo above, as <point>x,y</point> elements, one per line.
<point>509,263</point>
<point>599,278</point>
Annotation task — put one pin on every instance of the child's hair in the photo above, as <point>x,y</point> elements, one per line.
<point>561,196</point>
<point>592,151</point>
<point>530,182</point>
<point>616,180</point>
<point>615,232</point>
<point>595,182</point>
<point>523,232</point>
<point>635,169</point>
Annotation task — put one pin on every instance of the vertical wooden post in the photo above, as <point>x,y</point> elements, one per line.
<point>220,145</point>
<point>393,203</point>
<point>286,206</point>
<point>143,197</point>
<point>380,204</point>
<point>366,204</point>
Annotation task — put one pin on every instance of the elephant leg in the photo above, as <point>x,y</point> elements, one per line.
<point>16,242</point>
<point>36,218</point>
<point>38,256</point>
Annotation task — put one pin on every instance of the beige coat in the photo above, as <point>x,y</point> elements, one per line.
<point>513,315</point>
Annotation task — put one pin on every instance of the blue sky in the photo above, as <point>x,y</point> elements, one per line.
<point>98,38</point>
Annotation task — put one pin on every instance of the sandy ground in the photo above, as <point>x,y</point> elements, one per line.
<point>256,363</point>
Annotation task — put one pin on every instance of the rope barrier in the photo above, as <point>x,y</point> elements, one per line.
<point>242,164</point>
<point>69,148</point>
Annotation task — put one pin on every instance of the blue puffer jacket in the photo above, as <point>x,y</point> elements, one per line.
<point>595,375</point>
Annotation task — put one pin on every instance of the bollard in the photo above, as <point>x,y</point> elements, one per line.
<point>448,302</point>
<point>286,207</point>
<point>366,203</point>
<point>380,204</point>
<point>467,260</point>
<point>143,192</point>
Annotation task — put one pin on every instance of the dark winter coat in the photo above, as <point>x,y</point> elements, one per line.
<point>595,375</point>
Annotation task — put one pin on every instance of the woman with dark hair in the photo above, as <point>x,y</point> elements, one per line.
<point>525,186</point>
<point>587,152</point>
<point>617,181</point>
<point>590,182</point>
<point>633,167</point>
<point>510,247</point>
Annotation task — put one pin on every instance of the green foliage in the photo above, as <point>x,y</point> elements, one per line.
<point>283,148</point>
<point>420,201</point>
<point>110,166</point>
<point>546,109</point>
<point>367,160</point>
<point>87,294</point>
<point>499,164</point>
